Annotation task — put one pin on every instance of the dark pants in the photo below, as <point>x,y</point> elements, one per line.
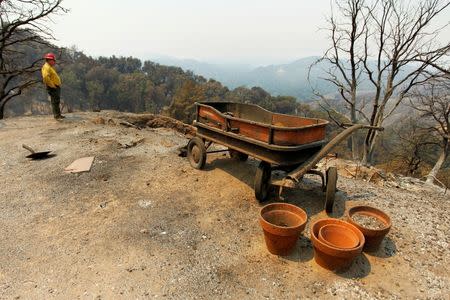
<point>55,95</point>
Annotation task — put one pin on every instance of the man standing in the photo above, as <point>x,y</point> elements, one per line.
<point>53,84</point>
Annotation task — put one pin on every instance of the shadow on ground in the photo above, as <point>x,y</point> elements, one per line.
<point>386,249</point>
<point>360,268</point>
<point>243,171</point>
<point>308,195</point>
<point>303,251</point>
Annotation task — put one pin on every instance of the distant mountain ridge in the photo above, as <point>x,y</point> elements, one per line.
<point>289,79</point>
<point>282,79</point>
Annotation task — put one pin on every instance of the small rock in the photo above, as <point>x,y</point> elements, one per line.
<point>144,203</point>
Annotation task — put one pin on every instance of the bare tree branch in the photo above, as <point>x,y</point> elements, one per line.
<point>397,47</point>
<point>23,26</point>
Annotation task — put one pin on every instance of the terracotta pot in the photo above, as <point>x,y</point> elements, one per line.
<point>338,236</point>
<point>330,257</point>
<point>373,237</point>
<point>282,224</point>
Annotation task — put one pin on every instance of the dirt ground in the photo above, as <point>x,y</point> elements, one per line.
<point>144,224</point>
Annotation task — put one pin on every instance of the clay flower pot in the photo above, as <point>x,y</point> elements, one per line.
<point>338,236</point>
<point>282,224</point>
<point>373,236</point>
<point>330,257</point>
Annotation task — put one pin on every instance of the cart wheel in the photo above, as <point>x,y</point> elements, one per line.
<point>196,153</point>
<point>330,188</point>
<point>234,154</point>
<point>262,181</point>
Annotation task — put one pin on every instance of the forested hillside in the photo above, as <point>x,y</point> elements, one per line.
<point>128,84</point>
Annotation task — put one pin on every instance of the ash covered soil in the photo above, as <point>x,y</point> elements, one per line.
<point>144,224</point>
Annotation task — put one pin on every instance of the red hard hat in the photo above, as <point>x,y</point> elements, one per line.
<point>49,56</point>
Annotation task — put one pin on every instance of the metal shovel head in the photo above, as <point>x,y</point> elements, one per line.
<point>39,155</point>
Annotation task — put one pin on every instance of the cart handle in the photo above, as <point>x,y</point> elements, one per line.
<point>309,164</point>
<point>363,127</point>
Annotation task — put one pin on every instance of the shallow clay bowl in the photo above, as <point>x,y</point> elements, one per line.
<point>331,257</point>
<point>338,236</point>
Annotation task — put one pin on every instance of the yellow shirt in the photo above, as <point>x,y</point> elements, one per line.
<point>49,76</point>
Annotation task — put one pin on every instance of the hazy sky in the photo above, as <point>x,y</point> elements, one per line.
<point>240,31</point>
<point>247,31</point>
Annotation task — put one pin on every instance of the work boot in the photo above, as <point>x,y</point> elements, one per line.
<point>60,117</point>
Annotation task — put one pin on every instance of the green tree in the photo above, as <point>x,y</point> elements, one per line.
<point>133,92</point>
<point>285,105</point>
<point>99,83</point>
<point>95,93</point>
<point>182,107</point>
<point>214,90</point>
<point>72,90</point>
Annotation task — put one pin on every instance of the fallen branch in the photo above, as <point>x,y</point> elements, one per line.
<point>128,124</point>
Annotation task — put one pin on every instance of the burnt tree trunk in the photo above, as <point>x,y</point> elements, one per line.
<point>2,109</point>
<point>437,166</point>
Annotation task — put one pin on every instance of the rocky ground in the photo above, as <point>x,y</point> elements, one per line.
<point>144,224</point>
